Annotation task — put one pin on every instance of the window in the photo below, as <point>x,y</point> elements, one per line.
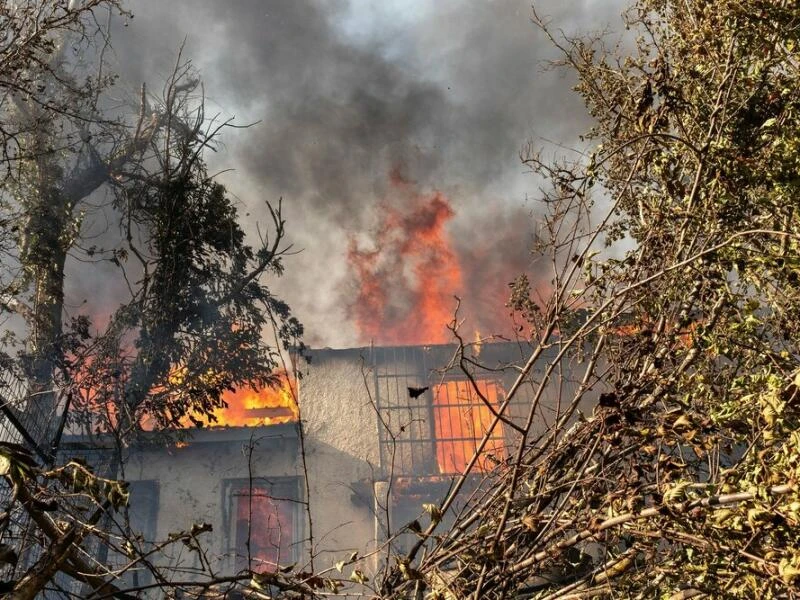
<point>265,517</point>
<point>143,517</point>
<point>431,422</point>
<point>461,419</point>
<point>142,511</point>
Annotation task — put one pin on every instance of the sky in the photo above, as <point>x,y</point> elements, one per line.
<point>344,94</point>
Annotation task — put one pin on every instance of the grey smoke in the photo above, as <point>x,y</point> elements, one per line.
<point>447,90</point>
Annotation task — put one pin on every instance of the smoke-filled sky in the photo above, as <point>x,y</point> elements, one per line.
<point>441,93</point>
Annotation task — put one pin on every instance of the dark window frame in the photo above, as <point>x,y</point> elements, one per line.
<point>281,489</point>
<point>139,575</point>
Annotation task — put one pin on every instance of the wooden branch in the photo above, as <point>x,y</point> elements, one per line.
<point>72,563</point>
<point>663,509</point>
<point>686,594</point>
<point>43,571</point>
<point>14,305</point>
<point>272,253</point>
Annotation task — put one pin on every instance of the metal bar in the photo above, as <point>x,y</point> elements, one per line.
<point>448,423</point>
<point>12,418</point>
<point>54,445</point>
<point>397,375</point>
<point>382,441</point>
<point>448,439</point>
<point>398,399</point>
<point>473,405</point>
<point>432,462</point>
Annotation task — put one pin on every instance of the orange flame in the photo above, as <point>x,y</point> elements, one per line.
<point>461,419</point>
<point>249,407</point>
<point>408,271</point>
<point>408,281</point>
<point>246,406</point>
<point>264,527</point>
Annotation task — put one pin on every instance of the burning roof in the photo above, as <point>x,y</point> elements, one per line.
<point>249,407</point>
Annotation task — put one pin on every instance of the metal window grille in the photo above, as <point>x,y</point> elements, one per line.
<point>104,462</point>
<point>30,421</point>
<point>436,432</point>
<point>24,418</point>
<point>462,415</point>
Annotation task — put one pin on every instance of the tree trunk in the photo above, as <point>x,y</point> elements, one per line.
<point>44,250</point>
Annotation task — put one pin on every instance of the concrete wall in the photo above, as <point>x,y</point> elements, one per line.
<point>342,460</point>
<point>342,451</point>
<point>194,483</point>
<point>336,405</point>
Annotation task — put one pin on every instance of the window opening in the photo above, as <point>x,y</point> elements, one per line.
<point>461,419</point>
<point>266,514</point>
<point>436,432</point>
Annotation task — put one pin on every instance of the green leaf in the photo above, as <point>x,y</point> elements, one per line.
<point>434,511</point>
<point>358,577</point>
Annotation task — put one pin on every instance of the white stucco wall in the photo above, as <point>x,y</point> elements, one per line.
<point>342,450</point>
<point>192,481</point>
<point>342,460</point>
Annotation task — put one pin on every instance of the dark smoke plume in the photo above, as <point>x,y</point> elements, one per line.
<point>344,92</point>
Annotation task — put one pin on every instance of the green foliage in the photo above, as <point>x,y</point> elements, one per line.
<point>199,313</point>
<point>198,319</point>
<point>196,322</point>
<point>697,136</point>
<point>683,482</point>
<point>202,309</point>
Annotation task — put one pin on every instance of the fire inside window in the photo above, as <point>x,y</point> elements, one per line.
<point>266,522</point>
<point>461,419</point>
<point>437,430</point>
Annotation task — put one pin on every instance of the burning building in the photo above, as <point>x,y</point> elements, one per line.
<point>385,430</point>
